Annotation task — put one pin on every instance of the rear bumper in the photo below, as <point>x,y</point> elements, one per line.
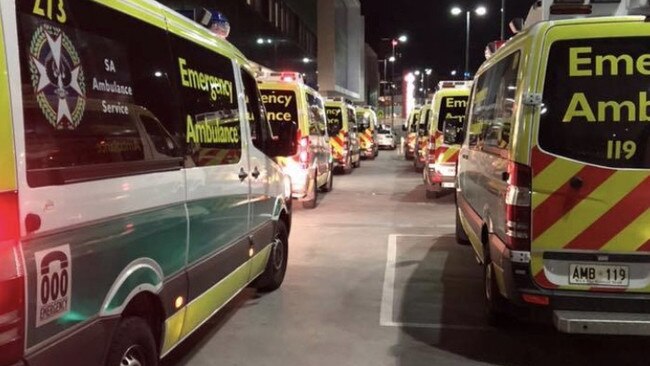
<point>409,152</point>
<point>582,322</point>
<point>300,180</point>
<point>573,311</point>
<point>368,152</point>
<point>436,181</point>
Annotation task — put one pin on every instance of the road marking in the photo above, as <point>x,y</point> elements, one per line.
<point>386,318</point>
<point>446,226</point>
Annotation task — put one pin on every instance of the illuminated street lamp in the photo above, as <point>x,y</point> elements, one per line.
<point>394,42</point>
<point>479,11</point>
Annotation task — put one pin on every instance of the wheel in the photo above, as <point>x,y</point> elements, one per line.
<point>358,163</point>
<point>312,202</point>
<point>133,344</point>
<point>330,181</point>
<point>461,235</point>
<point>273,276</point>
<point>495,303</point>
<point>347,169</point>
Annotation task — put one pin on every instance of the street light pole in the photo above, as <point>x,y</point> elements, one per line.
<point>394,42</point>
<point>467,39</point>
<point>503,20</point>
<point>456,11</point>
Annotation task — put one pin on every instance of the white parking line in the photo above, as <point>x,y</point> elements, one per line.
<point>386,317</point>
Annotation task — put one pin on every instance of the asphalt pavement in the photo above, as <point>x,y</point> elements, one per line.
<point>375,277</point>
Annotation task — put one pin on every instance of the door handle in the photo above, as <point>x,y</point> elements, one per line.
<point>242,174</point>
<point>256,173</point>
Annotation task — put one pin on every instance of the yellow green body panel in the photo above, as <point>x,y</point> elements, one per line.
<point>197,312</point>
<point>7,155</point>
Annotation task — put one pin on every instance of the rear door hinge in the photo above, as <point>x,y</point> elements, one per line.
<point>533,99</point>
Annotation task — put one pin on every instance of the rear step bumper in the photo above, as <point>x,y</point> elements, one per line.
<point>582,322</point>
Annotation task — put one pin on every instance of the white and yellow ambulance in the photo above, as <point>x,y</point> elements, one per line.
<point>554,172</point>
<point>445,136</point>
<point>138,187</point>
<point>297,112</point>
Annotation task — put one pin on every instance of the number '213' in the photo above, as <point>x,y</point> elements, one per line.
<point>47,8</point>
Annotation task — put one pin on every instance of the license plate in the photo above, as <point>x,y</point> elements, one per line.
<point>448,185</point>
<point>599,275</point>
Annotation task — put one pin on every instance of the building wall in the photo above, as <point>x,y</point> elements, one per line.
<point>372,76</point>
<point>341,39</point>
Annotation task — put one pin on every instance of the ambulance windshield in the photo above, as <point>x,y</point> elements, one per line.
<point>596,102</point>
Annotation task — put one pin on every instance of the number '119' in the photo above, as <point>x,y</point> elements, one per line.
<point>617,149</point>
<point>47,8</point>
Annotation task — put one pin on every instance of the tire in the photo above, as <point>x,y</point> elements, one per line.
<point>461,235</point>
<point>133,344</point>
<point>311,204</point>
<point>358,163</point>
<point>495,303</point>
<point>273,276</point>
<point>329,186</point>
<point>347,169</point>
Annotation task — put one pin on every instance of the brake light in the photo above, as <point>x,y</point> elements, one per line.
<point>304,155</point>
<point>288,77</point>
<point>518,206</point>
<point>12,286</point>
<point>431,148</point>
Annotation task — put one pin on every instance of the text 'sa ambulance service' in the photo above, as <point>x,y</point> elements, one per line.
<point>138,187</point>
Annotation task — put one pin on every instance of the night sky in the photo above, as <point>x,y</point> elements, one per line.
<point>436,38</point>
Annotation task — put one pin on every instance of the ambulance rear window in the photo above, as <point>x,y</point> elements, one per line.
<point>281,111</point>
<point>452,108</point>
<point>415,121</point>
<point>334,120</point>
<point>596,104</point>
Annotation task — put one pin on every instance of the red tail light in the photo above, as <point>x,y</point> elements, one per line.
<point>12,285</point>
<point>304,155</point>
<point>431,148</point>
<point>518,207</point>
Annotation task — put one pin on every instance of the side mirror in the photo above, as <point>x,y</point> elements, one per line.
<point>285,145</point>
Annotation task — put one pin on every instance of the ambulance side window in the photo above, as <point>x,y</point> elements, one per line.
<point>82,108</point>
<point>317,120</point>
<point>256,113</point>
<point>494,106</point>
<point>211,127</point>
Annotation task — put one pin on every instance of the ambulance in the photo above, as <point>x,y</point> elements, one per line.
<point>290,103</point>
<point>554,174</point>
<point>445,135</point>
<point>422,138</point>
<point>138,187</point>
<point>343,132</point>
<point>411,129</point>
<point>367,124</point>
